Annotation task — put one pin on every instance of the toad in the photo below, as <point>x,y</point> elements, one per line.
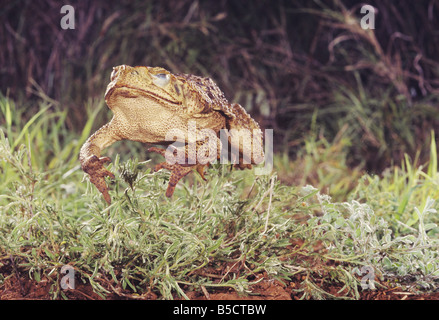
<point>153,106</point>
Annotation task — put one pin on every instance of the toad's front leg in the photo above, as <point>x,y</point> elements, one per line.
<point>90,159</point>
<point>178,171</point>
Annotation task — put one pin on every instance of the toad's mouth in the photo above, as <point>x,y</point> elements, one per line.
<point>132,92</point>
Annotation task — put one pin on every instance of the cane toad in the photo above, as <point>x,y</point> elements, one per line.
<point>152,105</point>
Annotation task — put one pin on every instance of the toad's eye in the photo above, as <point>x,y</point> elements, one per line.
<point>161,79</point>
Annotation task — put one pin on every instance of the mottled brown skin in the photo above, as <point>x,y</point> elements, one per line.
<point>147,103</point>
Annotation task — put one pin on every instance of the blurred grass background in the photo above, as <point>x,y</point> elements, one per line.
<point>300,67</point>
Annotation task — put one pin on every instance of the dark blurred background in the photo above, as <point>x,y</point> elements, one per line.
<point>299,67</point>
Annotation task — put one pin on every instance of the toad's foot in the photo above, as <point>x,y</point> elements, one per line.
<point>94,166</point>
<point>178,171</point>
